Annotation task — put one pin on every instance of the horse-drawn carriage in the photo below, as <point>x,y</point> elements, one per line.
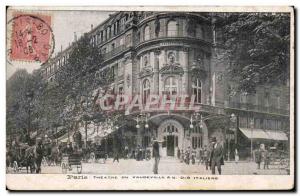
<point>22,157</point>
<point>69,160</point>
<point>98,153</point>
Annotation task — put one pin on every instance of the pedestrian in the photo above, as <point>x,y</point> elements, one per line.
<point>39,153</point>
<point>236,156</point>
<point>69,149</point>
<point>116,155</point>
<point>181,156</point>
<point>258,157</point>
<point>216,156</point>
<point>126,151</point>
<point>187,156</point>
<point>266,158</point>
<point>206,157</point>
<point>156,156</point>
<point>200,156</point>
<point>193,157</point>
<point>178,153</point>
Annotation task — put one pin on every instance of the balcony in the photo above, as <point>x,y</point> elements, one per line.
<point>113,52</point>
<point>258,108</point>
<point>173,41</point>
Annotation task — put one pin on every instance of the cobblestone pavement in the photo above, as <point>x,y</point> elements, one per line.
<point>166,166</point>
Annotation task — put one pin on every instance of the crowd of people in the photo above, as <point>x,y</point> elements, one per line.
<point>262,155</point>
<point>51,151</point>
<point>211,156</point>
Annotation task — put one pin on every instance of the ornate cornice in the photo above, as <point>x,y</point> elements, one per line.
<point>171,69</point>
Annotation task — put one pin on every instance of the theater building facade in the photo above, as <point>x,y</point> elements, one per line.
<point>173,53</point>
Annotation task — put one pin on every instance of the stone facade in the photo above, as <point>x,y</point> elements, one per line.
<point>171,53</point>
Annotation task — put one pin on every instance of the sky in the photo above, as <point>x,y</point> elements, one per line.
<point>64,24</point>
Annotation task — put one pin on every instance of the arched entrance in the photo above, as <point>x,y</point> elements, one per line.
<point>171,133</point>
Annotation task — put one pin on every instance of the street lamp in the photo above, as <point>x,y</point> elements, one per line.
<point>251,140</point>
<point>146,125</point>
<point>191,122</point>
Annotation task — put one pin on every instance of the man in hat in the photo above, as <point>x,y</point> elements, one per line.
<point>39,153</point>
<point>216,155</point>
<point>156,156</point>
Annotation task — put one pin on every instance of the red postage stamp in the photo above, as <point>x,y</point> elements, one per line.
<point>31,38</point>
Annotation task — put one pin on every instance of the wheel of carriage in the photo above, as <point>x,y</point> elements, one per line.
<point>64,168</point>
<point>79,168</point>
<point>15,166</point>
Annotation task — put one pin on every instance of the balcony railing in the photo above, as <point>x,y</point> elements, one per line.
<point>259,108</point>
<point>114,52</point>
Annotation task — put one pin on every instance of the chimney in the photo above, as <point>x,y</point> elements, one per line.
<point>75,37</point>
<point>60,48</point>
<point>92,26</point>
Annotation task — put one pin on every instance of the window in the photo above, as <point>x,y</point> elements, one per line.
<point>172,28</point>
<point>243,98</point>
<point>128,40</point>
<point>104,50</point>
<point>267,97</point>
<point>197,138</point>
<point>108,32</point>
<point>112,46</point>
<point>121,69</point>
<point>278,101</point>
<point>197,90</point>
<point>101,36</point>
<point>147,33</point>
<point>145,61</point>
<point>146,90</point>
<point>199,31</point>
<point>171,86</point>
<point>121,92</point>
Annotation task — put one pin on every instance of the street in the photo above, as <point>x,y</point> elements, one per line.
<point>166,166</point>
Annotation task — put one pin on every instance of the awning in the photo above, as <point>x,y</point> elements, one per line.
<point>264,134</point>
<point>63,138</point>
<point>277,135</point>
<point>254,133</point>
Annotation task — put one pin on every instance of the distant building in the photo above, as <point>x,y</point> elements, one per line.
<point>173,53</point>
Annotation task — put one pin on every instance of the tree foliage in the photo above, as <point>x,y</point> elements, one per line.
<point>257,47</point>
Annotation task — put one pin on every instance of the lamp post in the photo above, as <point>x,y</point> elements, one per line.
<point>251,140</point>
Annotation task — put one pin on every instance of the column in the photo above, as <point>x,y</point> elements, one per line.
<point>156,72</point>
<point>185,66</point>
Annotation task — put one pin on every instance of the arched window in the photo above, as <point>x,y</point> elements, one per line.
<point>147,33</point>
<point>199,31</point>
<point>197,137</point>
<point>197,90</point>
<point>172,28</point>
<point>146,90</point>
<point>171,86</point>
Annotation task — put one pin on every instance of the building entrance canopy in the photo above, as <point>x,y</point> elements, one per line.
<point>264,134</point>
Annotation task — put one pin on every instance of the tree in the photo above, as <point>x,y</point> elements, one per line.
<point>22,90</point>
<point>257,47</point>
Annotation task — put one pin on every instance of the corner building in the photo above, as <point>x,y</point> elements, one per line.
<point>169,53</point>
